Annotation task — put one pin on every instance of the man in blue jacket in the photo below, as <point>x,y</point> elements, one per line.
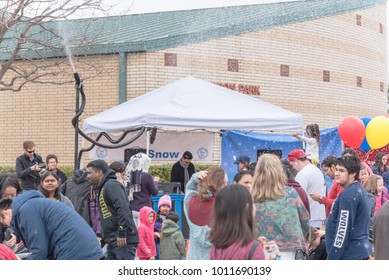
<point>51,230</point>
<point>118,226</point>
<point>347,229</point>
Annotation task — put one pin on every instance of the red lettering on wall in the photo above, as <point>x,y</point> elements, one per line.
<point>227,85</point>
<point>249,89</point>
<point>246,89</point>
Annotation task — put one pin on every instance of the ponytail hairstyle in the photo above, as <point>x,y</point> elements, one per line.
<point>314,131</point>
<point>211,184</point>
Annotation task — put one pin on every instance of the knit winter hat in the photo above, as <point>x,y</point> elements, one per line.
<point>165,200</point>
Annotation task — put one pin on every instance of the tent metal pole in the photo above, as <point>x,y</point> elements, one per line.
<point>82,159</point>
<point>147,141</point>
<point>220,147</point>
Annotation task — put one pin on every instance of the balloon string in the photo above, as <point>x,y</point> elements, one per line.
<point>367,154</point>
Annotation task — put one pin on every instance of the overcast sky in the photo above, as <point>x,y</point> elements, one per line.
<point>147,6</point>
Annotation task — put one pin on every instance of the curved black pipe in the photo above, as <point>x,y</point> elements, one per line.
<point>134,138</point>
<point>77,78</point>
<point>95,142</point>
<point>75,120</point>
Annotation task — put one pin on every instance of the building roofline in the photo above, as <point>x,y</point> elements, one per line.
<point>163,30</point>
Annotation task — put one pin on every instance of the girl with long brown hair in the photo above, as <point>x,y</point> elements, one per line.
<point>233,233</point>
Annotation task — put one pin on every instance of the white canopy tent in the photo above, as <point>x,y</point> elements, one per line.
<point>192,103</point>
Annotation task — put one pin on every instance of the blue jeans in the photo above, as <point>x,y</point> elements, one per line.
<point>158,249</point>
<point>125,253</point>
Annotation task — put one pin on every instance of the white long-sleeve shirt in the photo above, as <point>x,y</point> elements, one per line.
<point>312,147</point>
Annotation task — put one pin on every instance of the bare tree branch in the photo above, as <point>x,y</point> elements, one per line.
<point>35,35</point>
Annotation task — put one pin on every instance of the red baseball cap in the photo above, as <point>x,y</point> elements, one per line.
<point>296,154</point>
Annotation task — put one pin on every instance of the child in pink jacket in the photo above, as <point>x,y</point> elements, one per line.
<point>146,248</point>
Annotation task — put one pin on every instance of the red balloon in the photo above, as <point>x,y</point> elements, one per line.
<point>352,131</point>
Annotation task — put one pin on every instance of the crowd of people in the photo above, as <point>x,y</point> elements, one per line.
<point>275,209</point>
<point>106,209</point>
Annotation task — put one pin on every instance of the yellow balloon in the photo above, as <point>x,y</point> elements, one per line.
<point>377,132</point>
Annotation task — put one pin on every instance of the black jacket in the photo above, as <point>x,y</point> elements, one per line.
<point>77,189</point>
<point>29,179</point>
<point>178,174</point>
<point>61,176</point>
<point>320,253</point>
<point>115,213</point>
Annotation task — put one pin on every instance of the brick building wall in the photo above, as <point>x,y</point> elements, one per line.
<point>325,69</point>
<point>335,67</point>
<point>43,113</point>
